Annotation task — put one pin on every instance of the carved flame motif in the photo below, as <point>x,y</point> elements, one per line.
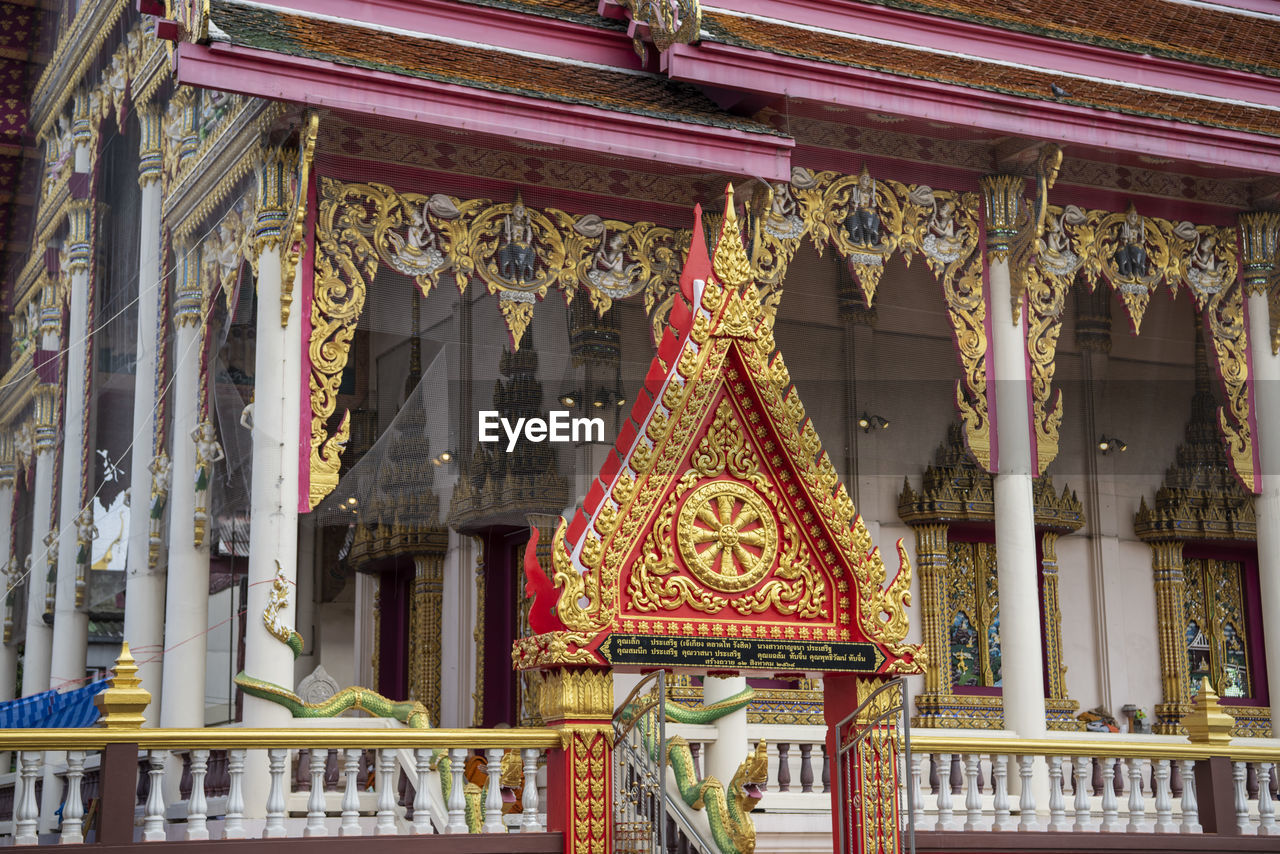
<point>719,515</point>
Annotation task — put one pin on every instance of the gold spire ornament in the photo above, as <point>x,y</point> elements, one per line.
<point>122,705</point>
<point>731,265</point>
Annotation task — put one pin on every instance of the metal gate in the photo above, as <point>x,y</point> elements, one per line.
<point>639,771</point>
<point>874,743</point>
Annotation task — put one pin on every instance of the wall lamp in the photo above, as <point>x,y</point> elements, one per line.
<point>872,422</point>
<point>1107,444</point>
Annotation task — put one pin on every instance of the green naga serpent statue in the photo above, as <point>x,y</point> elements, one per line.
<point>729,817</point>
<point>411,713</point>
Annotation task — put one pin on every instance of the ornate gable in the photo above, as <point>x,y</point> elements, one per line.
<point>718,519</point>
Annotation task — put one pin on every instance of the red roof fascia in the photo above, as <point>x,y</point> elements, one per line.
<point>1049,54</point>
<point>360,91</point>
<point>743,69</point>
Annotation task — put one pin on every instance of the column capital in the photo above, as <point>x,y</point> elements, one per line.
<point>46,417</point>
<point>1258,241</point>
<point>276,173</point>
<point>80,215</point>
<point>151,145</point>
<point>575,695</point>
<point>81,125</point>
<point>188,303</point>
<point>1002,200</point>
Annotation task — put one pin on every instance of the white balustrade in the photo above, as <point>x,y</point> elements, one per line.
<point>457,801</point>
<point>1266,807</point>
<point>26,814</point>
<point>529,795</point>
<point>315,801</point>
<point>1081,766</point>
<point>350,793</point>
<point>1000,799</point>
<point>1190,808</point>
<point>421,801</point>
<point>276,759</point>
<point>1057,807</point>
<point>493,792</point>
<point>73,805</point>
<point>1239,771</point>
<point>153,829</point>
<point>1027,799</point>
<point>1110,806</point>
<point>945,813</point>
<point>197,805</point>
<point>233,828</point>
<point>1137,806</point>
<point>386,825</point>
<point>1164,803</point>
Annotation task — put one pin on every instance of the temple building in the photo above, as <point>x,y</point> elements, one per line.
<point>332,332</point>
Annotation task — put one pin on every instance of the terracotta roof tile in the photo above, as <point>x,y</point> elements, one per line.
<point>348,44</point>
<point>1180,30</point>
<point>945,68</point>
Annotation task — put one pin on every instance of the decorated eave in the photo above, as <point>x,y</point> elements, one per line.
<point>472,68</point>
<point>718,521</point>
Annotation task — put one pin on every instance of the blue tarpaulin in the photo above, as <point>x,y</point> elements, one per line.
<point>50,709</point>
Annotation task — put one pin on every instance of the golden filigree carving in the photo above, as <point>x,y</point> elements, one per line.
<point>1224,316</point>
<point>576,695</point>
<point>863,218</point>
<point>326,461</point>
<point>1259,241</point>
<point>668,23</point>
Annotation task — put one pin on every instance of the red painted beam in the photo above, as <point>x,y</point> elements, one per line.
<point>283,77</point>
<point>732,67</point>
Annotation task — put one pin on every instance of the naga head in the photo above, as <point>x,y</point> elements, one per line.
<point>750,776</point>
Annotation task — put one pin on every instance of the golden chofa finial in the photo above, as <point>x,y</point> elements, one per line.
<point>730,264</point>
<point>122,705</point>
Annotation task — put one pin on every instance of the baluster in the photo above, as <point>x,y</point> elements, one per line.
<point>1190,808</point>
<point>493,794</point>
<point>1083,768</point>
<point>957,774</point>
<point>350,792</point>
<point>784,767</point>
<point>315,801</point>
<point>1251,781</point>
<point>197,805</point>
<point>421,801</point>
<point>1241,798</point>
<point>26,811</point>
<point>457,803</point>
<point>1097,776</point>
<point>826,769</point>
<point>944,795</point>
<point>933,774</point>
<point>1266,808</point>
<point>233,828</point>
<point>153,823</point>
<point>695,750</point>
<point>386,824</point>
<point>73,806</point>
<point>1118,775</point>
<point>1137,805</point>
<point>1110,806</point>
<point>806,768</point>
<point>529,796</point>
<point>402,795</point>
<point>972,800</point>
<point>1161,773</point>
<point>1175,778</point>
<point>917,796</point>
<point>1027,799</point>
<point>1000,800</point>
<point>1057,804</point>
<point>277,758</point>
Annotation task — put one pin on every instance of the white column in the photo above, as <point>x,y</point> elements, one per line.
<point>1266,395</point>
<point>144,583</point>
<point>8,477</point>
<point>722,759</point>
<point>186,612</point>
<point>1022,658</point>
<point>38,645</point>
<point>71,623</point>
<point>273,497</point>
